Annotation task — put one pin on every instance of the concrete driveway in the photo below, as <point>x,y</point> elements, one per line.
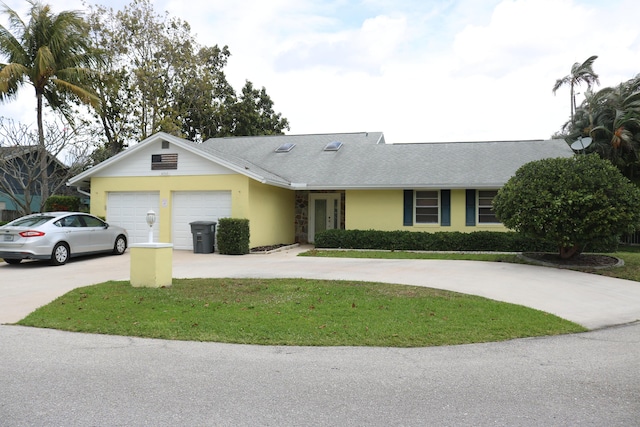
<point>590,300</point>
<point>51,377</point>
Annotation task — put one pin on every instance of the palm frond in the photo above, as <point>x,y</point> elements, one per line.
<point>12,76</point>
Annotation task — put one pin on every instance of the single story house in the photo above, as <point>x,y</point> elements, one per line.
<point>290,187</point>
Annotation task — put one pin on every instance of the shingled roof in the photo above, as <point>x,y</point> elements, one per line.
<point>365,161</point>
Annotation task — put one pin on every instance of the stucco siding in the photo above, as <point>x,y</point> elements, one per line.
<point>272,214</point>
<point>383,210</point>
<point>373,210</point>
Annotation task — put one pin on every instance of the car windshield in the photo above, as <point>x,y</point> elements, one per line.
<point>32,221</point>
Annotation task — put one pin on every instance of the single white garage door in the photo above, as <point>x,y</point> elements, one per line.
<point>129,210</point>
<point>190,206</point>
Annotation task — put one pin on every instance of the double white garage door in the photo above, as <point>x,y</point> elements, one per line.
<point>129,210</point>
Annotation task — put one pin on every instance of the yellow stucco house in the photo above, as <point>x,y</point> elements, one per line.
<point>292,186</point>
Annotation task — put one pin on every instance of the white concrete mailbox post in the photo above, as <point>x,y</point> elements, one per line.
<point>151,263</point>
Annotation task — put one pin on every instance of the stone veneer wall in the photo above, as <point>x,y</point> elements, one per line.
<point>302,213</point>
<point>302,216</point>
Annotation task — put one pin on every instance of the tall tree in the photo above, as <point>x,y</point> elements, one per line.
<point>157,77</point>
<point>611,117</point>
<point>112,85</point>
<point>255,115</point>
<point>580,73</point>
<point>51,52</point>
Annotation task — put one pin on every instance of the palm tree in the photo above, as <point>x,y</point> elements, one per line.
<point>580,73</point>
<point>50,52</point>
<point>616,131</point>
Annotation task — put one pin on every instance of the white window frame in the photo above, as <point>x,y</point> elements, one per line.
<point>416,207</point>
<point>479,207</point>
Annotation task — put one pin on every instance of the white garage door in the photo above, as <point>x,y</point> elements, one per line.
<point>129,210</point>
<point>190,206</point>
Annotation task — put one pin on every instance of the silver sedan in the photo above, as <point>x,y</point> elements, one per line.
<point>58,236</point>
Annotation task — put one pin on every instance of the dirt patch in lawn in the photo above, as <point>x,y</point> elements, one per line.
<point>585,261</point>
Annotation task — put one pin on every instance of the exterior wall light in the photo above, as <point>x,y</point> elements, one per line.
<point>151,219</point>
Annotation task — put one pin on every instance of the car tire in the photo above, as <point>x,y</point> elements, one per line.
<point>60,254</point>
<point>12,261</point>
<point>120,245</point>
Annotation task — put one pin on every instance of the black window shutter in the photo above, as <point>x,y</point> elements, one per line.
<point>408,208</point>
<point>445,208</point>
<point>471,208</point>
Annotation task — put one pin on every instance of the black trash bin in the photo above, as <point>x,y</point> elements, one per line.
<point>204,236</point>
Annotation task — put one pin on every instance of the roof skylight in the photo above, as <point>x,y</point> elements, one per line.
<point>285,148</point>
<point>333,146</point>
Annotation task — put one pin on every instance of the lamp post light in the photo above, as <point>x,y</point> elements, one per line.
<point>151,219</point>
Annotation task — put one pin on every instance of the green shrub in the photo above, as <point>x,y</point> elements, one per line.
<point>62,203</point>
<point>233,236</point>
<point>424,241</point>
<point>486,241</point>
<point>579,203</point>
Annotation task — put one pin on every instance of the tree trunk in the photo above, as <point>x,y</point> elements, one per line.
<point>567,252</point>
<point>42,153</point>
<point>573,102</point>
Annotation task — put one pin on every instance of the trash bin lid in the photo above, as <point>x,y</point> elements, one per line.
<point>204,223</point>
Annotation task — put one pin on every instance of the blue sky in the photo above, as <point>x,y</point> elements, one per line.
<point>419,71</point>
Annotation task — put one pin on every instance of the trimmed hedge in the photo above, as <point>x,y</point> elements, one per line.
<point>486,241</point>
<point>233,236</point>
<point>62,203</point>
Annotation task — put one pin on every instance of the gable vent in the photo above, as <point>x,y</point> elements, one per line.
<point>333,146</point>
<point>285,148</point>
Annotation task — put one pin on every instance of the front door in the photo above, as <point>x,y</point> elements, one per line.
<point>324,213</point>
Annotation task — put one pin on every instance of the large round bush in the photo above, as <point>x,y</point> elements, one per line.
<point>569,201</point>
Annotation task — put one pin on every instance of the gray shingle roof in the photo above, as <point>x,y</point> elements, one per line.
<point>365,161</point>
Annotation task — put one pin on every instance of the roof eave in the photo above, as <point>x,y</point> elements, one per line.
<point>435,186</point>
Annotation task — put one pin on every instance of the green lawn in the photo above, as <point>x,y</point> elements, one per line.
<point>294,312</point>
<point>309,312</point>
<point>487,256</point>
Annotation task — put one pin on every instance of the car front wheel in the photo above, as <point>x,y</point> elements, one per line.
<point>120,246</point>
<point>60,254</point>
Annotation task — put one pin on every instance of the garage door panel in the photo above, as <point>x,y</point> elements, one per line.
<point>129,210</point>
<point>190,206</point>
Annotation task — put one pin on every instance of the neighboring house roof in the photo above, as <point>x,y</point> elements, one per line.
<point>8,153</point>
<point>364,161</point>
<point>18,151</point>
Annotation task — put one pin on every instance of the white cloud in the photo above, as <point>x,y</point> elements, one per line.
<point>418,71</point>
<point>366,48</point>
<point>519,34</point>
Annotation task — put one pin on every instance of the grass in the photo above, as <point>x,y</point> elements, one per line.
<point>310,312</point>
<point>294,312</point>
<point>495,257</point>
<point>629,271</point>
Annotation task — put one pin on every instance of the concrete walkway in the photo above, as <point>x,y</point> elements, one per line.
<point>590,300</point>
